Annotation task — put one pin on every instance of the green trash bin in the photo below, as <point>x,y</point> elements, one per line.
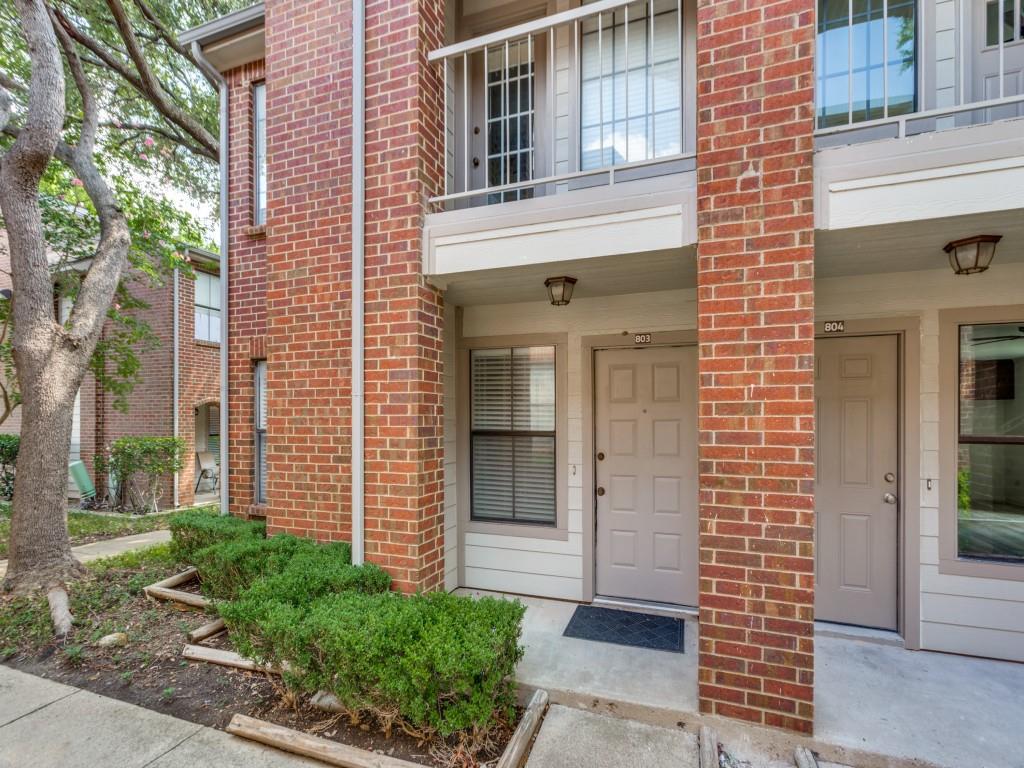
<point>81,477</point>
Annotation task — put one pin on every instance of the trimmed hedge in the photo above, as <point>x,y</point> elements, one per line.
<point>438,663</point>
<point>229,568</point>
<point>195,529</point>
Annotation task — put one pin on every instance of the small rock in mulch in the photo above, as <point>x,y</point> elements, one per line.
<point>115,640</point>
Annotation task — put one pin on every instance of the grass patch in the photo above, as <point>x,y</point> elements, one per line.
<point>84,527</point>
<point>101,602</point>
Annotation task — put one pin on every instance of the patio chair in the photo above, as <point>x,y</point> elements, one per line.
<point>208,469</point>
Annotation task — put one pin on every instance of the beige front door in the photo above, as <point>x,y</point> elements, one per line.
<point>857,483</point>
<point>646,473</point>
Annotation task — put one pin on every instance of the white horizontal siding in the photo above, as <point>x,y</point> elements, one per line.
<point>960,614</point>
<point>557,587</point>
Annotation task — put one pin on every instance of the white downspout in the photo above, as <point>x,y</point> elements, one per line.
<point>175,370</point>
<point>358,266</point>
<point>215,75</point>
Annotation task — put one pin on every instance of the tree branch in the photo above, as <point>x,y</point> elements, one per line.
<point>5,107</point>
<point>153,86</point>
<point>158,97</point>
<point>90,119</point>
<point>168,37</point>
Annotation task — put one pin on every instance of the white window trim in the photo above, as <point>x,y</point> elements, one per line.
<point>950,561</point>
<point>519,529</point>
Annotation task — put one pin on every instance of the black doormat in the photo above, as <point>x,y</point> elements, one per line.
<point>640,630</point>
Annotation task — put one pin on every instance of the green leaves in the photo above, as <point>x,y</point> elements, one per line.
<point>196,529</point>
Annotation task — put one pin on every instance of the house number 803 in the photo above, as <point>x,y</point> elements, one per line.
<point>641,338</point>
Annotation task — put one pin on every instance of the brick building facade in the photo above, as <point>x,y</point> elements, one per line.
<point>150,410</point>
<point>746,412</point>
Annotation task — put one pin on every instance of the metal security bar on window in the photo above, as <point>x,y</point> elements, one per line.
<point>509,97</point>
<point>512,435</point>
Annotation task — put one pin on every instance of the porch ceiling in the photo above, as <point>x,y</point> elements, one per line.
<point>604,276</point>
<point>913,246</point>
<point>904,247</point>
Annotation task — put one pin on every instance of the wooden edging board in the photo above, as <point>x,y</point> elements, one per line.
<point>528,724</point>
<point>207,631</point>
<point>164,590</point>
<point>224,658</point>
<point>299,743</point>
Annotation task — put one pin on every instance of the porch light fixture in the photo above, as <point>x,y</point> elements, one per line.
<point>972,254</point>
<point>560,289</point>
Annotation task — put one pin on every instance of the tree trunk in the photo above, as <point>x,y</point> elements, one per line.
<point>40,552</point>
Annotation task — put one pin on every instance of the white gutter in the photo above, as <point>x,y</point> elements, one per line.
<point>175,370</point>
<point>358,269</point>
<point>197,52</point>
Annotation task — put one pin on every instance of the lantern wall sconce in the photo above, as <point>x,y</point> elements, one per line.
<point>972,254</point>
<point>560,289</point>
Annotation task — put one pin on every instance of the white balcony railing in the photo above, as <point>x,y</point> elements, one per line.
<point>893,68</point>
<point>586,97</point>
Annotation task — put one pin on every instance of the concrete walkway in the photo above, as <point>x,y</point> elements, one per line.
<point>45,724</point>
<point>571,738</point>
<point>110,547</point>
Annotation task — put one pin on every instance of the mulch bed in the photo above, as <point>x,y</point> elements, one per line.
<point>151,673</point>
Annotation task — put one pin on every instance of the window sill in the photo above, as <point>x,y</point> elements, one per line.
<point>209,344</point>
<point>518,530</point>
<point>982,569</point>
<point>256,230</point>
<point>257,510</point>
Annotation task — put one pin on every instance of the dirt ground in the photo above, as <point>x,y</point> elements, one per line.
<point>149,671</point>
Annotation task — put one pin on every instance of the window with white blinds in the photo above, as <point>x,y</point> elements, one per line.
<point>261,430</point>
<point>512,437</point>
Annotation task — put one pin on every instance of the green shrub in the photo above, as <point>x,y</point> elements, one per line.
<point>437,663</point>
<point>193,530</point>
<point>139,466</point>
<point>312,572</point>
<point>9,445</point>
<point>228,568</point>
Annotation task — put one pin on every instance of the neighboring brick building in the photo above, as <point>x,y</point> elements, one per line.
<point>97,423</point>
<point>751,411</point>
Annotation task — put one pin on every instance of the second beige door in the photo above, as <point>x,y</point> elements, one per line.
<point>857,484</point>
<point>646,474</point>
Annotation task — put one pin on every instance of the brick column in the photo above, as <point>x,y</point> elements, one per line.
<point>404,318</point>
<point>309,280</point>
<point>755,72</point>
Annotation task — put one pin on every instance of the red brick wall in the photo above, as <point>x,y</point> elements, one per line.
<point>308,281</point>
<point>247,283</point>
<point>198,384</point>
<point>756,336</point>
<point>404,165</point>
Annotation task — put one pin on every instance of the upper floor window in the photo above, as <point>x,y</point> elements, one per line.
<point>512,435</point>
<point>207,305</point>
<point>631,85</point>
<point>867,60</point>
<point>990,444</point>
<point>1011,25</point>
<point>259,152</point>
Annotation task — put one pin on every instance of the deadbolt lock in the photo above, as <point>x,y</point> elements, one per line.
<point>890,477</point>
<point>600,455</point>
<point>600,491</point>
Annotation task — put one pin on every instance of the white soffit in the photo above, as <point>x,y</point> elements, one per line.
<point>933,193</point>
<point>636,231</point>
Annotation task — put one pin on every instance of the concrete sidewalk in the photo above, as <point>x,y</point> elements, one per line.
<point>110,547</point>
<point>45,724</point>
